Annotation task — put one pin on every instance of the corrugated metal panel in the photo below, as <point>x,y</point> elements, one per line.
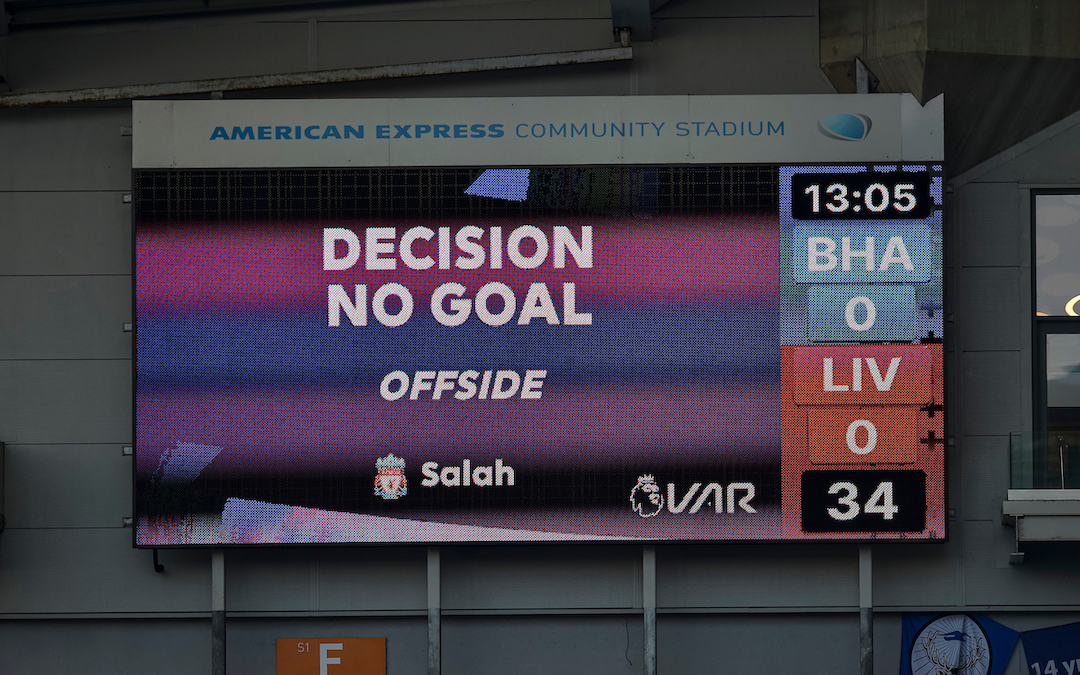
<point>1051,162</point>
<point>757,576</point>
<point>991,224</point>
<point>65,401</point>
<point>96,570</point>
<point>990,403</point>
<point>326,580</point>
<point>67,486</point>
<point>989,305</point>
<point>65,232</point>
<point>64,149</point>
<point>372,578</point>
<point>914,576</point>
<point>541,577</point>
<point>97,647</point>
<point>985,476</point>
<point>1046,579</point>
<point>1036,159</point>
<point>285,580</point>
<point>65,317</point>
<point>483,646</point>
<point>808,645</point>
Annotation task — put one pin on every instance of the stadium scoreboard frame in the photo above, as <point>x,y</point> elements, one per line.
<point>587,319</point>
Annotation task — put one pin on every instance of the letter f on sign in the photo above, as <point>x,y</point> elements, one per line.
<point>325,660</point>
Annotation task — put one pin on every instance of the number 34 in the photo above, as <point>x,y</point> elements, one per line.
<point>881,501</point>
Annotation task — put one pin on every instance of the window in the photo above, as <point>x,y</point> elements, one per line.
<point>1057,338</point>
<point>1057,254</point>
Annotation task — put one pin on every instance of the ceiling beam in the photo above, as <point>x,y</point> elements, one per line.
<point>317,77</point>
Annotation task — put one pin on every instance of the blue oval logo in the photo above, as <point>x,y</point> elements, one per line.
<point>845,126</point>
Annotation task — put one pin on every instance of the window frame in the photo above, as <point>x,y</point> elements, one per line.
<point>1041,326</point>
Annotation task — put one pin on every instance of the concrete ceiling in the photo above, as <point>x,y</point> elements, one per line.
<point>1007,68</point>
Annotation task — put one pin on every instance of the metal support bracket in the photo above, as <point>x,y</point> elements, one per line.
<point>158,567</point>
<point>648,602</point>
<point>434,602</point>
<point>633,14</point>
<point>1016,557</point>
<point>866,611</point>
<point>865,81</point>
<point>217,612</point>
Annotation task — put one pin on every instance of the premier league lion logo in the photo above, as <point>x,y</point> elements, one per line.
<point>646,499</point>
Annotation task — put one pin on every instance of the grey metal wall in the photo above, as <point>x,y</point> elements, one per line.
<point>74,595</point>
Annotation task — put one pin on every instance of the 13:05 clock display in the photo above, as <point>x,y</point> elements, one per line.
<point>862,196</point>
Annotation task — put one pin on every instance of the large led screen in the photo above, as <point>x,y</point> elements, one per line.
<point>546,354</point>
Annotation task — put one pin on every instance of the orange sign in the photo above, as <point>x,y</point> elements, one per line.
<point>331,656</point>
<point>861,435</point>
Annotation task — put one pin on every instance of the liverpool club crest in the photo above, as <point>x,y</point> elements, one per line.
<point>390,480</point>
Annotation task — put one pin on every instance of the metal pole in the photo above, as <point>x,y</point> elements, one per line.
<point>434,612</point>
<point>217,612</point>
<point>648,601</point>
<point>866,612</point>
<point>1061,460</point>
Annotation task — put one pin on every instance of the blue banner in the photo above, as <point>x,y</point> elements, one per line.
<point>960,644</point>
<point>1053,651</point>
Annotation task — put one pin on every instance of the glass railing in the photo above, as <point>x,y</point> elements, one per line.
<point>1045,461</point>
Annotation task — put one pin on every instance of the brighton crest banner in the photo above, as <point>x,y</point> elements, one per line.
<point>954,644</point>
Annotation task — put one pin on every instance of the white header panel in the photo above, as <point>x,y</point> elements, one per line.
<point>536,131</point>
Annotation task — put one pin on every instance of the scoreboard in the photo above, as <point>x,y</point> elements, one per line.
<point>862,391</point>
<point>522,320</point>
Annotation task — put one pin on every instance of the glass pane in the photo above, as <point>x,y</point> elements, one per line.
<point>1063,399</point>
<point>1063,370</point>
<point>1057,255</point>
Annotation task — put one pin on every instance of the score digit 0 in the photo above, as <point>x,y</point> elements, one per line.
<point>853,441</point>
<point>851,317</point>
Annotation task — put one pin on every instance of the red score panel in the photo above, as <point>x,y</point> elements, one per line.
<point>862,411</point>
<point>861,375</point>
<point>861,435</point>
